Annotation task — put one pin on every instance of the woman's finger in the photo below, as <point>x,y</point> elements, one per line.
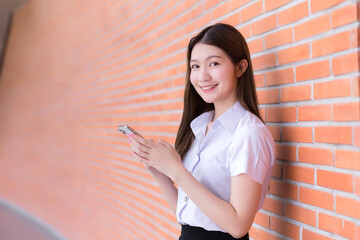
<point>138,146</point>
<point>166,144</point>
<point>140,158</point>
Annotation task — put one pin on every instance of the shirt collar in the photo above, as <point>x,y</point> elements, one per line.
<point>228,119</point>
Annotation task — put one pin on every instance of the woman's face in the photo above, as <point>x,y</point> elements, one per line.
<point>213,75</point>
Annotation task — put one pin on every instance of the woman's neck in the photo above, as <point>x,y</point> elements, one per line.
<point>221,108</point>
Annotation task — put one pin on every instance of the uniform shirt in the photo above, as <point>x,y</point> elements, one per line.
<point>237,142</point>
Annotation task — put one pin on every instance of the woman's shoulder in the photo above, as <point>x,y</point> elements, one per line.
<point>252,126</point>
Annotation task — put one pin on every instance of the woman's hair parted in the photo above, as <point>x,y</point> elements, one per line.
<point>230,40</point>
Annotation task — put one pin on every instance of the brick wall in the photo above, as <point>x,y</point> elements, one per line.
<point>74,70</point>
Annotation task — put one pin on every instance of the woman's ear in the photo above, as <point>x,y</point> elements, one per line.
<point>241,67</point>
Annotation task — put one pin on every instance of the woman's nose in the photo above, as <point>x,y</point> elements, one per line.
<point>204,75</point>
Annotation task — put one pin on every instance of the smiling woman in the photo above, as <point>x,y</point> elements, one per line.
<point>224,154</point>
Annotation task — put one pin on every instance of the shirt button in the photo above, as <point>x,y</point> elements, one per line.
<point>185,199</point>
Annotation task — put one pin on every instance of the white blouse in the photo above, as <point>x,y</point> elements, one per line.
<point>237,142</point>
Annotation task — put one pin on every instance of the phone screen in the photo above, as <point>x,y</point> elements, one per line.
<point>127,130</point>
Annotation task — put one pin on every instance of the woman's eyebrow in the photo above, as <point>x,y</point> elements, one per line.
<point>212,56</point>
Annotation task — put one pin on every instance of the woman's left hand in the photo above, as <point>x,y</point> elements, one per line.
<point>160,155</point>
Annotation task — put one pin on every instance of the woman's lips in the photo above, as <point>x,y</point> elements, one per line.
<point>208,88</point>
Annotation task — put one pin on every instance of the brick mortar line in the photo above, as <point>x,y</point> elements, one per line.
<point>122,73</point>
<point>313,102</point>
<point>131,214</point>
<point>320,167</point>
<point>138,95</point>
<point>138,186</point>
<point>308,40</point>
<point>113,214</point>
<point>142,104</point>
<point>100,27</point>
<point>255,55</point>
<point>163,36</point>
<point>309,207</point>
<point>147,209</point>
<point>271,232</point>
<point>129,89</point>
<point>123,23</point>
<point>140,206</point>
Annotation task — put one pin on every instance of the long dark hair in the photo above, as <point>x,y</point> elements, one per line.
<point>230,40</point>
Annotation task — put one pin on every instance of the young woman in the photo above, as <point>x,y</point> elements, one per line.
<point>224,154</point>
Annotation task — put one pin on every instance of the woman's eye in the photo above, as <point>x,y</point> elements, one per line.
<point>214,64</point>
<point>194,66</point>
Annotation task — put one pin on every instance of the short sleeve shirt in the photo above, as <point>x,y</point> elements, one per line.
<point>237,143</point>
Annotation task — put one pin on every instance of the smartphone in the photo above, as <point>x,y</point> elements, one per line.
<point>125,129</point>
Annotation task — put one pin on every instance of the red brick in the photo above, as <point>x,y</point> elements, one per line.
<point>294,54</point>
<point>286,152</point>
<point>234,4</point>
<point>267,236</point>
<point>263,25</point>
<point>284,189</point>
<point>312,27</point>
<point>345,15</point>
<point>245,31</point>
<point>308,235</point>
<point>278,38</point>
<point>256,45</point>
<point>316,198</point>
<point>338,135</point>
<point>347,159</point>
<point>299,174</point>
<point>253,233</point>
<point>347,206</point>
<point>268,96</point>
<point>317,5</point>
<point>279,77</point>
<point>313,70</point>
<point>336,225</point>
<point>357,136</point>
<point>210,4</point>
<point>275,132</point>
<point>315,113</point>
<point>285,228</point>
<point>272,4</point>
<point>293,14</point>
<point>251,11</point>
<point>295,93</point>
<point>332,89</point>
<point>357,186</point>
<point>335,180</point>
<point>354,37</point>
<point>345,64</point>
<point>300,214</point>
<point>264,61</point>
<point>347,111</point>
<point>284,114</point>
<point>221,10</point>
<point>259,80</point>
<point>233,19</point>
<point>262,219</point>
<point>316,155</point>
<point>277,170</point>
<point>332,44</point>
<point>297,134</point>
<point>273,205</point>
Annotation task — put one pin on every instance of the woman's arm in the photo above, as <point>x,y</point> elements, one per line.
<point>235,216</point>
